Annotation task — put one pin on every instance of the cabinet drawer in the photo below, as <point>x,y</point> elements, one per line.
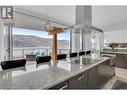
<point>92,78</point>
<point>61,86</point>
<point>78,81</point>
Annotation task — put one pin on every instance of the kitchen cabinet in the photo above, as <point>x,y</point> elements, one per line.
<point>92,78</point>
<point>120,60</point>
<point>99,75</point>
<point>125,61</point>
<point>78,81</point>
<point>105,71</point>
<point>61,86</point>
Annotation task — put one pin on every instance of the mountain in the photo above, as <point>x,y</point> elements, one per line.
<point>21,41</point>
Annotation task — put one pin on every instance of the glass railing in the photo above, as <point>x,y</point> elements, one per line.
<point>38,51</point>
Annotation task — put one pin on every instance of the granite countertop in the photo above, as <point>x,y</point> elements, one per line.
<point>115,52</point>
<point>45,75</point>
<point>109,55</point>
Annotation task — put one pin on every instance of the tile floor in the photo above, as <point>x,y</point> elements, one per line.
<point>120,74</point>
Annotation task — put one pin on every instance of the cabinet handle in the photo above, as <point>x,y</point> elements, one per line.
<point>113,65</point>
<point>63,87</point>
<point>81,77</point>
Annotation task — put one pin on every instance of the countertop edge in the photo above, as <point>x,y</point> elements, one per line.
<point>72,75</point>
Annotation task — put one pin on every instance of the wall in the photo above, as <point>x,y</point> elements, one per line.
<point>116,36</point>
<point>1,41</point>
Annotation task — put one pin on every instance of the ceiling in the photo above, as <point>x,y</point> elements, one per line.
<point>109,18</point>
<point>62,14</point>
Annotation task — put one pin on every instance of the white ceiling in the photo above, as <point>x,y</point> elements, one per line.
<point>64,14</point>
<point>109,18</point>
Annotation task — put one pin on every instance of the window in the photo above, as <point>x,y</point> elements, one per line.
<point>63,43</point>
<point>39,43</point>
<point>120,38</point>
<point>28,41</point>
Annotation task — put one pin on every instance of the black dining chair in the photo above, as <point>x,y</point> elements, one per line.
<point>61,56</point>
<point>73,54</point>
<point>88,52</point>
<point>81,53</point>
<point>42,59</point>
<point>13,64</point>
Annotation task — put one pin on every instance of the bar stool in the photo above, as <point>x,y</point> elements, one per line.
<point>13,64</point>
<point>42,59</point>
<point>73,54</point>
<point>81,53</point>
<point>61,56</point>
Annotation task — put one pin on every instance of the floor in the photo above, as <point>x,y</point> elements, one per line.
<point>120,74</point>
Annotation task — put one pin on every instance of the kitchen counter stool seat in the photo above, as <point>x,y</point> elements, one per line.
<point>13,64</point>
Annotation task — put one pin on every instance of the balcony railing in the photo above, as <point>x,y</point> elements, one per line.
<point>39,51</point>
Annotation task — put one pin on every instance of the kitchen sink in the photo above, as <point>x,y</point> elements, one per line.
<point>85,61</point>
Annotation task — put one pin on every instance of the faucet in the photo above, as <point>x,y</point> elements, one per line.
<point>68,56</point>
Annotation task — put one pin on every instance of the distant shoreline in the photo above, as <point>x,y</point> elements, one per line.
<point>36,48</point>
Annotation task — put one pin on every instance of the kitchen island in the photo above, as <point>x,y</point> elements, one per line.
<point>85,72</point>
<point>120,59</point>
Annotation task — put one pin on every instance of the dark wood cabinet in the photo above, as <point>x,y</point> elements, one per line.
<point>92,78</point>
<point>121,61</point>
<point>99,75</point>
<point>125,62</point>
<point>78,81</point>
<point>105,72</point>
<point>61,86</point>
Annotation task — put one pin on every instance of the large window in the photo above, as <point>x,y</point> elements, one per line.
<point>63,43</point>
<point>119,37</point>
<point>27,41</point>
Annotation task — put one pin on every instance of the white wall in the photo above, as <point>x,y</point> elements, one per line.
<point>116,36</point>
<point>1,41</point>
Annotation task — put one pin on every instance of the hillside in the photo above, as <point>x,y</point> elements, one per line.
<point>21,41</point>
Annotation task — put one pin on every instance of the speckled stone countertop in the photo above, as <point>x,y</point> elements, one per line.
<point>45,75</point>
<point>115,52</point>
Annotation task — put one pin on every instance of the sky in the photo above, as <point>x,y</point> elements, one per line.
<point>42,34</point>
